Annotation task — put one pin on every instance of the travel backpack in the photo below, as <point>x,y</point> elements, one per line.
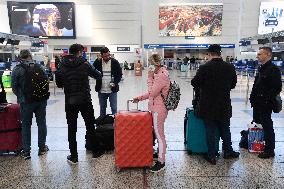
<point>173,98</point>
<point>102,139</point>
<point>107,119</point>
<point>244,139</point>
<point>36,84</point>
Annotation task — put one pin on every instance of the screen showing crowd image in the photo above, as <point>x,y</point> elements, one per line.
<point>52,20</point>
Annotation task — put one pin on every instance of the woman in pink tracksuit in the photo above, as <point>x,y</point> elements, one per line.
<point>158,81</point>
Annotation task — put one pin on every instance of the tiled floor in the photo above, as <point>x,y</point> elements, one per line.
<point>182,170</point>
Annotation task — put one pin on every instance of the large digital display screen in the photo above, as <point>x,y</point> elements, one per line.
<point>271,17</point>
<point>191,19</point>
<point>52,20</point>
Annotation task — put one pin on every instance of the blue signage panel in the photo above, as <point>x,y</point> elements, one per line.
<point>123,48</point>
<point>185,46</point>
<point>244,43</point>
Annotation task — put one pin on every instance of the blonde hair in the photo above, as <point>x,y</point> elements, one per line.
<point>156,59</point>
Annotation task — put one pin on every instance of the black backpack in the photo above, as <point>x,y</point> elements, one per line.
<point>277,104</point>
<point>36,83</point>
<point>107,119</point>
<point>102,139</point>
<point>105,137</point>
<point>244,140</point>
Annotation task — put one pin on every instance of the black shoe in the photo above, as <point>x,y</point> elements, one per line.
<point>72,160</point>
<point>25,155</point>
<point>98,154</point>
<point>232,154</point>
<point>266,155</point>
<point>43,150</point>
<point>157,167</point>
<point>211,160</point>
<point>88,147</point>
<point>217,154</point>
<point>155,155</point>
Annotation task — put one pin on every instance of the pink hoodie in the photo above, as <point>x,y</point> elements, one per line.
<point>161,82</point>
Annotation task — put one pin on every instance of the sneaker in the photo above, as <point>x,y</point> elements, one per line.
<point>155,155</point>
<point>98,154</point>
<point>211,160</point>
<point>157,167</point>
<point>72,160</point>
<point>42,151</point>
<point>25,155</point>
<point>266,155</point>
<point>231,155</point>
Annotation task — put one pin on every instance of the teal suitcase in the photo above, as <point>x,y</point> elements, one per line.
<point>195,134</point>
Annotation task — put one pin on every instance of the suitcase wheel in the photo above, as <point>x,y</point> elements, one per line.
<point>117,170</point>
<point>17,152</point>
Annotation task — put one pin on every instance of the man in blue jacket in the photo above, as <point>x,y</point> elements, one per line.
<point>107,86</point>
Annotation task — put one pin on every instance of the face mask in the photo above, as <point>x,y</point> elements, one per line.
<point>151,68</point>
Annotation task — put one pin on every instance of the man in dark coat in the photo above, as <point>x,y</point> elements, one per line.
<point>267,85</point>
<point>213,82</point>
<point>108,86</point>
<point>73,76</point>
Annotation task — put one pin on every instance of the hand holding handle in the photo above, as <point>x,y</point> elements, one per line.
<point>133,101</point>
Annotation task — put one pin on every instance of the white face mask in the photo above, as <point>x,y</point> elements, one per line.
<point>151,68</point>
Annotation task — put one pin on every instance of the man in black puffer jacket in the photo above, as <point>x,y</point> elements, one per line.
<point>73,77</point>
<point>267,85</point>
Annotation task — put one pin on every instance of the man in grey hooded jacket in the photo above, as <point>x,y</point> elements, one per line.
<point>27,106</point>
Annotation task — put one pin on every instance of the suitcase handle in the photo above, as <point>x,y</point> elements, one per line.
<point>128,102</point>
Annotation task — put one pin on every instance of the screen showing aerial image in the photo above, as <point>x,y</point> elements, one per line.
<point>55,20</point>
<point>190,20</point>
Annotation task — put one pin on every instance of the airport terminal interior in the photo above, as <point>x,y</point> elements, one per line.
<point>133,30</point>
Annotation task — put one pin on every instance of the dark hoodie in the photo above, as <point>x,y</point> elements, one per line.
<point>73,77</point>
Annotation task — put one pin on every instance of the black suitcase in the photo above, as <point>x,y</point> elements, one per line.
<point>104,137</point>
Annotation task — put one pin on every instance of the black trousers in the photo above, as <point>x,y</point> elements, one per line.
<point>87,113</point>
<point>224,129</point>
<point>263,116</point>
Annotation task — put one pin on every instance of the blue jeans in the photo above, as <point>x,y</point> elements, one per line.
<point>103,102</point>
<point>224,129</point>
<point>27,110</point>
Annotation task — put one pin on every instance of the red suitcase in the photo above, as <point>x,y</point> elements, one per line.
<point>10,128</point>
<point>133,139</point>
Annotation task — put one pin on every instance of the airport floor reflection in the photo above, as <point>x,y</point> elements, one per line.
<point>182,170</point>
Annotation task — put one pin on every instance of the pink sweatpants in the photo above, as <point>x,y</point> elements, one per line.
<point>158,122</point>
